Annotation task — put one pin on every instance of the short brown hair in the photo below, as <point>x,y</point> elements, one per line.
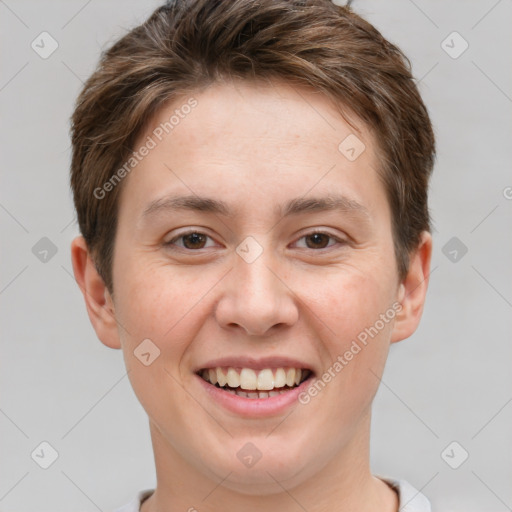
<point>186,45</point>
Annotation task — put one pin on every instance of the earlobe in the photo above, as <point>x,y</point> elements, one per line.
<point>99,303</point>
<point>413,290</point>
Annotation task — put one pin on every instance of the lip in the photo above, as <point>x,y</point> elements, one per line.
<point>253,407</point>
<point>256,364</point>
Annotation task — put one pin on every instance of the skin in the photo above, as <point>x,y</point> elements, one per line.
<point>256,147</point>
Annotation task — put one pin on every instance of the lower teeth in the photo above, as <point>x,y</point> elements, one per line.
<point>255,394</point>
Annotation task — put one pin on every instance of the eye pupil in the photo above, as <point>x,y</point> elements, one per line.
<point>196,238</point>
<point>316,237</point>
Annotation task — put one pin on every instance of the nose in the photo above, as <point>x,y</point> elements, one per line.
<point>256,297</point>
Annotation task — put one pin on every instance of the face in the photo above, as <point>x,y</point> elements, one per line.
<point>252,276</point>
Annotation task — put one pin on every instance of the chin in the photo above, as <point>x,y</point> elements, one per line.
<point>269,479</point>
<point>264,471</point>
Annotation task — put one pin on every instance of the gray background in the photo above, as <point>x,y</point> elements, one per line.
<point>451,381</point>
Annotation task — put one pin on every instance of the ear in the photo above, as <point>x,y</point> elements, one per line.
<point>413,290</point>
<point>98,301</point>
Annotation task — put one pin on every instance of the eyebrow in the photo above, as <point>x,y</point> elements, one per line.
<point>293,207</point>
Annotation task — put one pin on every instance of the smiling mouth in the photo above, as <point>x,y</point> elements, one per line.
<point>249,383</point>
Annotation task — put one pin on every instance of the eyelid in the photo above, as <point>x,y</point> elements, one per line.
<point>324,231</point>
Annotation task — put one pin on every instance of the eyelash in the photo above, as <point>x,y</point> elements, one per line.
<point>170,243</point>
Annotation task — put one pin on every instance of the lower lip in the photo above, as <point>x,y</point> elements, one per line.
<point>254,407</point>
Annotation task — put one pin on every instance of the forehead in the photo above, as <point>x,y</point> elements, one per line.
<point>255,109</point>
<point>265,139</point>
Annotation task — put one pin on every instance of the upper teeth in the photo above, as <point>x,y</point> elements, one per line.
<point>247,378</point>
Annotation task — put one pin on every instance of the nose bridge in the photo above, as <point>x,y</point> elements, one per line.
<point>252,270</point>
<point>257,298</point>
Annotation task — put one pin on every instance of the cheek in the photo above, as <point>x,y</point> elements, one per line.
<point>351,302</point>
<point>153,304</point>
<point>153,300</point>
<point>167,305</point>
<point>357,317</point>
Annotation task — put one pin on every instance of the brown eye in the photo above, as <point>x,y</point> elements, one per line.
<point>192,240</point>
<point>320,240</point>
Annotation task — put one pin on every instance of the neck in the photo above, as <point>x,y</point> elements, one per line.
<point>345,483</point>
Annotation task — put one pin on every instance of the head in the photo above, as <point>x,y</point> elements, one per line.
<point>298,136</point>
